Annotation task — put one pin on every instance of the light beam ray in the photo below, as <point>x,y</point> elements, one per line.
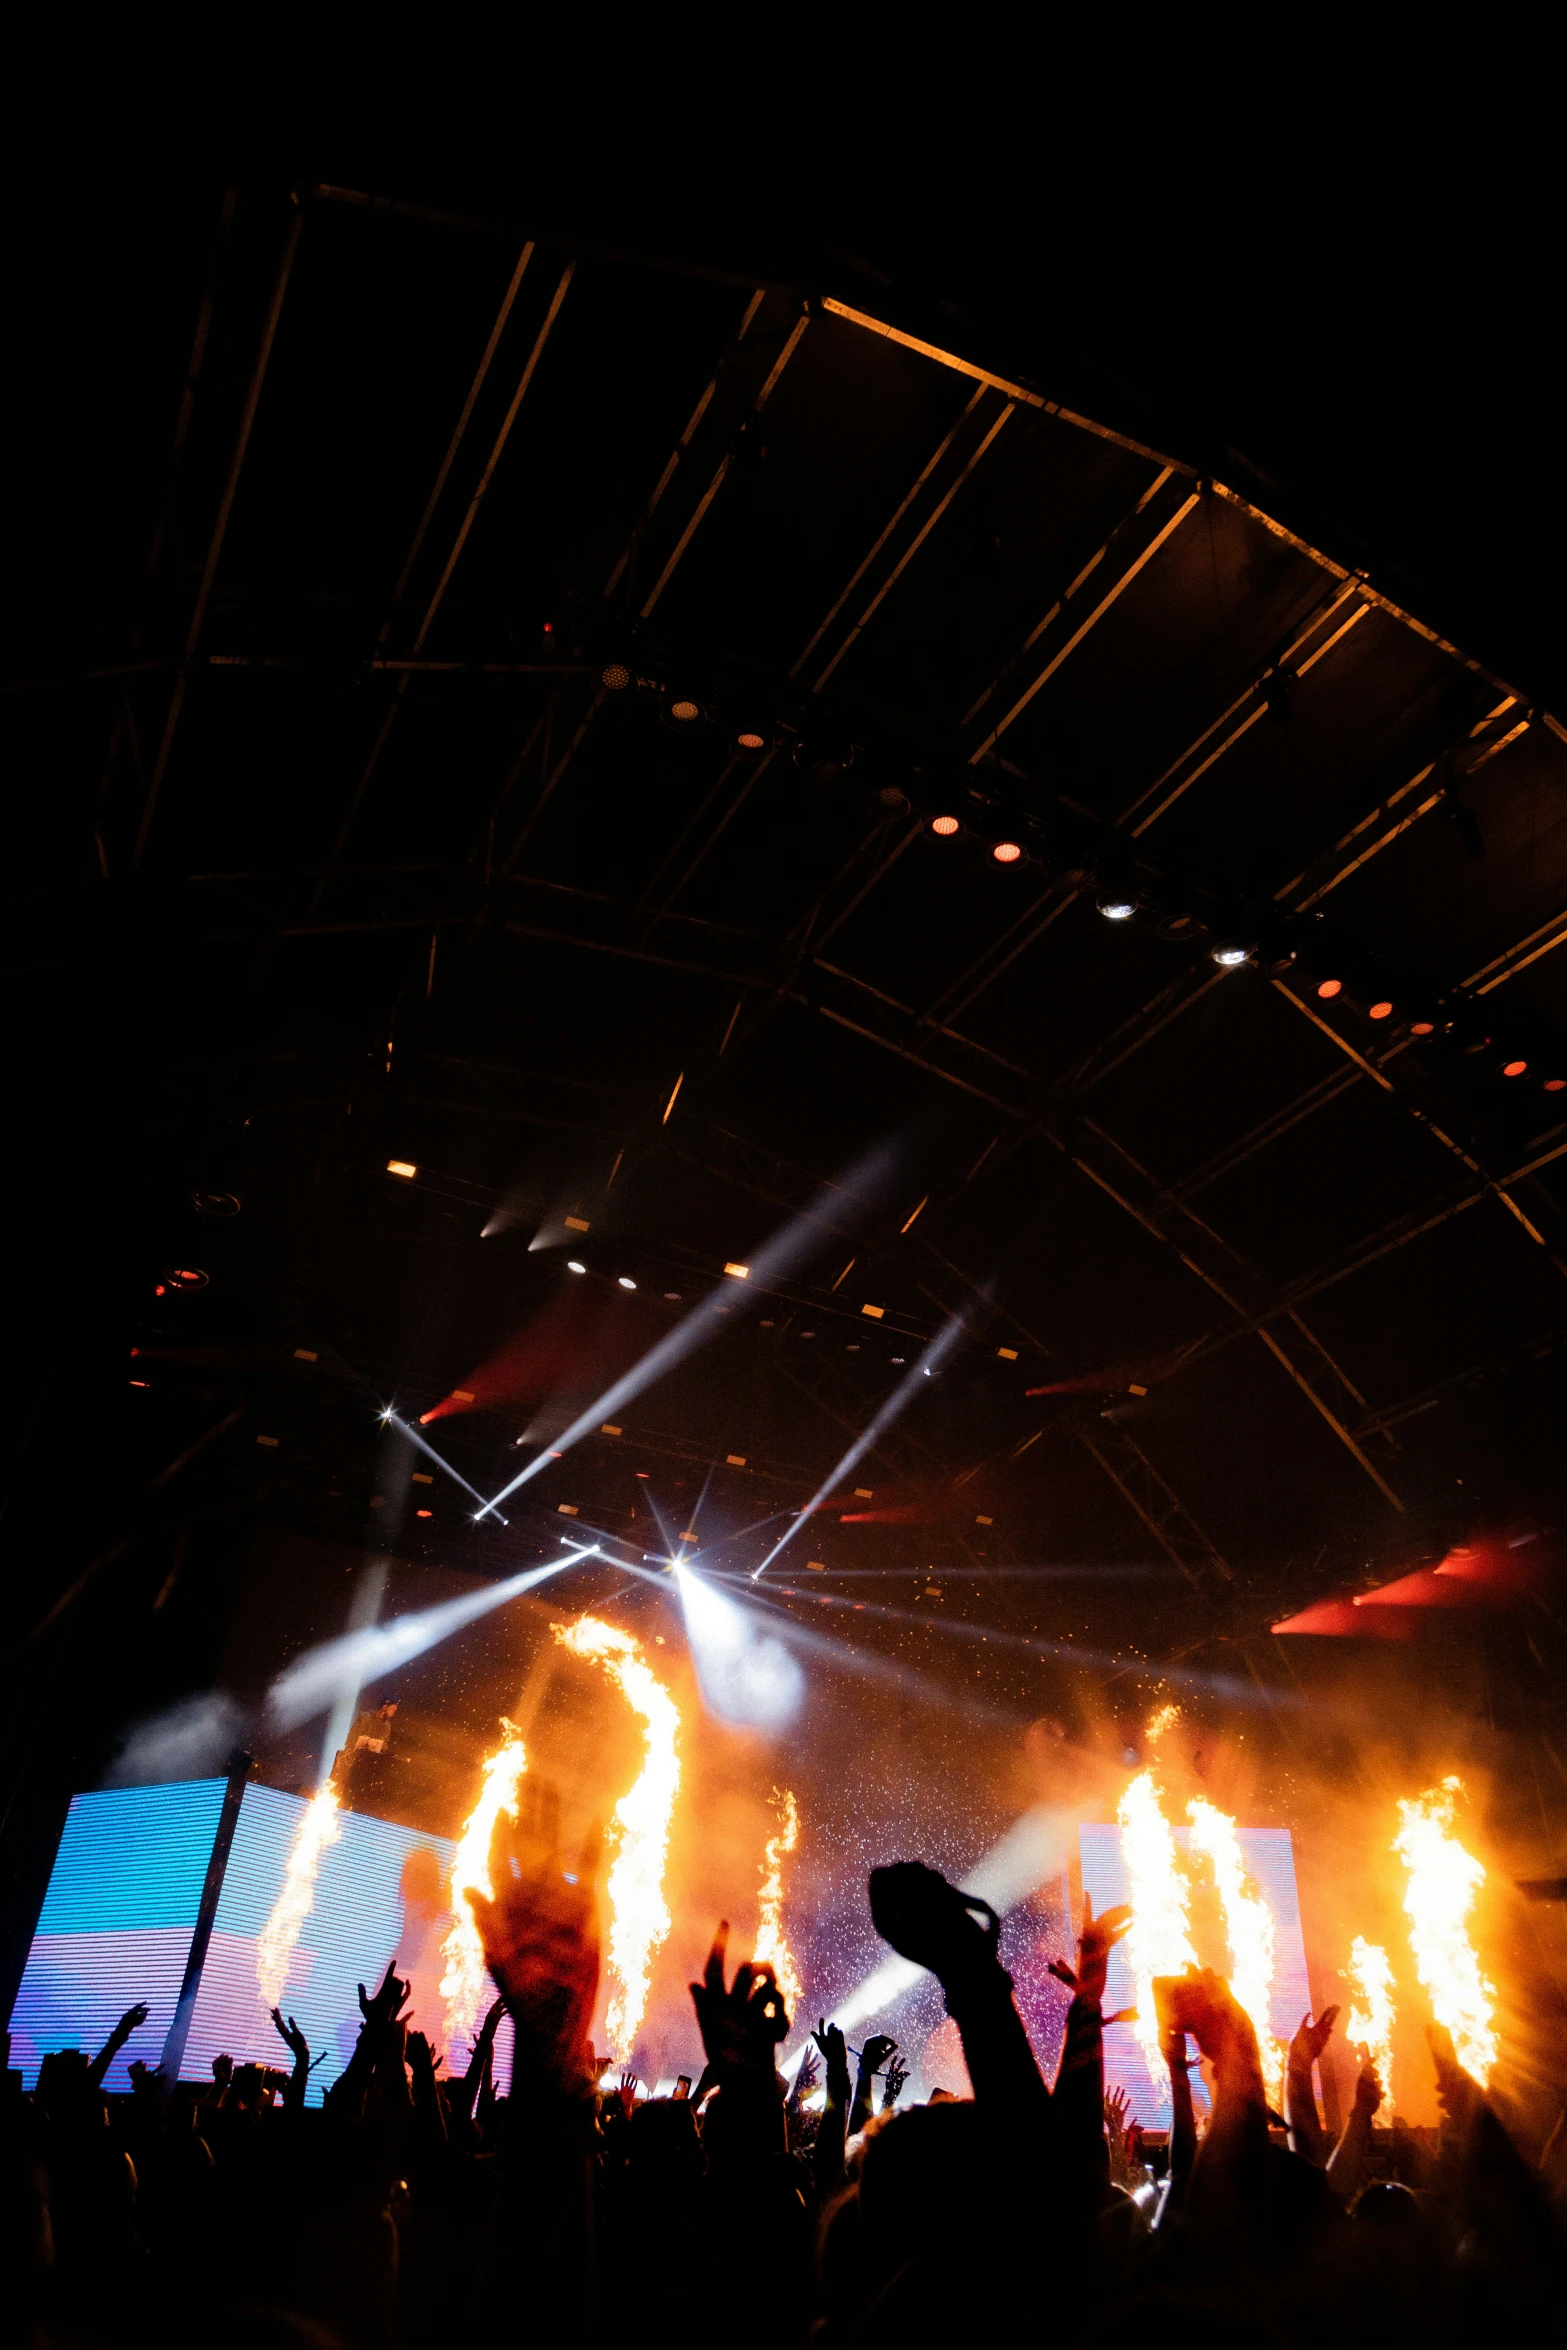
<point>309,1685</point>
<point>390,1419</point>
<point>902,1396</point>
<point>786,1249</point>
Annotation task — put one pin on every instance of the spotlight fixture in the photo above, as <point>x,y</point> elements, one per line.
<point>1115,897</point>
<point>403,1167</point>
<point>1555,1084</point>
<point>1421,1027</point>
<point>1330,988</point>
<point>1006,852</point>
<point>683,711</point>
<point>572,1266</point>
<point>626,1281</point>
<point>894,801</point>
<point>823,762</point>
<point>614,677</point>
<point>1116,907</point>
<point>1514,1068</point>
<point>750,738</point>
<point>1229,954</point>
<point>945,826</point>
<point>1180,929</point>
<point>1380,1011</point>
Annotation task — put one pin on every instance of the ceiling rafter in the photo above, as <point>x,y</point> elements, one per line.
<point>464,530</point>
<point>209,569</point>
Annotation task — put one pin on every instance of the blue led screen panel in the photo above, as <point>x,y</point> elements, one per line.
<point>381,1890</point>
<point>1270,1857</point>
<point>116,1922</point>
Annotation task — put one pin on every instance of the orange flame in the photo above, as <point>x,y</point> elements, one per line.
<point>1248,1927</point>
<point>1158,1941</point>
<point>275,1943</point>
<point>1164,1719</point>
<point>639,1914</point>
<point>463,1983</point>
<point>1369,2024</point>
<point>772,1949</point>
<point>1442,1883</point>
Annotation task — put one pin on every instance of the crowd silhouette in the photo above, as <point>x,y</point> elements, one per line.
<point>413,2209</point>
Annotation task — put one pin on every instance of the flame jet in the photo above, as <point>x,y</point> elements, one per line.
<point>1248,1927</point>
<point>772,1948</point>
<point>464,1980</point>
<point>788,1248</point>
<point>1158,1941</point>
<point>1369,2024</point>
<point>321,1826</point>
<point>1442,1884</point>
<point>639,1915</point>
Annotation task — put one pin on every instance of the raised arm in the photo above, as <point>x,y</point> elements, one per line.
<point>873,2056</point>
<point>131,2021</point>
<point>741,2026</point>
<point>1307,2135</point>
<point>299,2047</point>
<point>833,2129</point>
<point>956,1935</point>
<point>1346,2165</point>
<point>1080,2079</point>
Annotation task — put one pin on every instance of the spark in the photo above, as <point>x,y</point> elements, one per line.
<point>639,1914</point>
<point>1158,1942</point>
<point>1369,2024</point>
<point>321,1826</point>
<point>1165,1719</point>
<point>772,1949</point>
<point>1442,1884</point>
<point>1248,1927</point>
<point>464,1982</point>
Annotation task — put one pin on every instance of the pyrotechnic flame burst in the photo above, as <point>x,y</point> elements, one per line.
<point>772,1949</point>
<point>638,1913</point>
<point>1165,1719</point>
<point>1248,1926</point>
<point>275,1943</point>
<point>1442,1884</point>
<point>1158,1941</point>
<point>1369,2024</point>
<point>463,1983</point>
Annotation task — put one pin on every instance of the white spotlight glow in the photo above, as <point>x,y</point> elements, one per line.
<point>625,1282</point>
<point>746,1675</point>
<point>572,1266</point>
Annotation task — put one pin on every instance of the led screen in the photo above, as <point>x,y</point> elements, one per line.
<point>1270,1857</point>
<point>117,1921</point>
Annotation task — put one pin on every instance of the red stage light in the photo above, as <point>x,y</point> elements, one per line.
<point>1006,852</point>
<point>1379,1011</point>
<point>1330,988</point>
<point>424,1513</point>
<point>1515,1068</point>
<point>1555,1084</point>
<point>1420,1028</point>
<point>944,826</point>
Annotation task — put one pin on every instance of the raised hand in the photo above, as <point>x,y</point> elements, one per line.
<point>1368,2089</point>
<point>893,2084</point>
<point>131,2021</point>
<point>1311,2038</point>
<point>1458,2093</point>
<point>292,2037</point>
<point>742,2025</point>
<point>807,2074</point>
<point>541,1932</point>
<point>628,2093</point>
<point>1117,2107</point>
<point>931,1922</point>
<point>1099,1937</point>
<point>835,2050</point>
<point>876,2051</point>
<point>385,2008</point>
